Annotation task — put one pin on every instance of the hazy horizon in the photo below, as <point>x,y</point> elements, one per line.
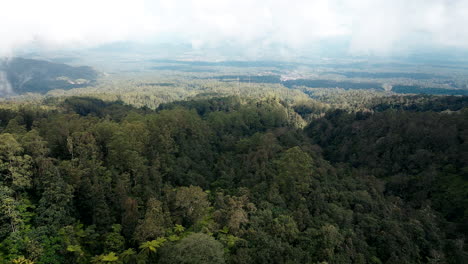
<point>239,29</point>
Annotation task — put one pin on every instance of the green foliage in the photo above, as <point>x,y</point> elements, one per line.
<point>295,173</point>
<point>235,180</point>
<point>151,246</point>
<point>128,256</point>
<point>178,229</point>
<point>191,204</point>
<point>22,260</point>
<point>148,249</point>
<point>196,249</point>
<point>107,258</point>
<point>154,223</point>
<point>114,241</point>
<point>15,167</point>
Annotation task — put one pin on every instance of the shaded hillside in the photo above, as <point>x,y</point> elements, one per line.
<point>27,75</point>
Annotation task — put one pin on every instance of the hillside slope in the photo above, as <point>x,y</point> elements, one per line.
<point>18,75</point>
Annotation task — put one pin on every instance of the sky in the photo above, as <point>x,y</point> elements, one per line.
<point>360,27</point>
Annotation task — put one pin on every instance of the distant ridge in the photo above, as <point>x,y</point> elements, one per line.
<point>19,75</point>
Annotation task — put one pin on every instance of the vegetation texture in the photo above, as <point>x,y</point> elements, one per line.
<point>232,180</point>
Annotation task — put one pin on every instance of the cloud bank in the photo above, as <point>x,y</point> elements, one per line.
<point>374,27</point>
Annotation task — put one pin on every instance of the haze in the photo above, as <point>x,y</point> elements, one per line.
<point>362,27</point>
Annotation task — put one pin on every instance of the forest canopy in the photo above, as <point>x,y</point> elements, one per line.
<point>235,180</point>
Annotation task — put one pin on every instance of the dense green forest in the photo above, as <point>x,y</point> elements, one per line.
<point>235,180</point>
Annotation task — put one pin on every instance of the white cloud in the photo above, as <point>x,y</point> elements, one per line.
<point>372,26</point>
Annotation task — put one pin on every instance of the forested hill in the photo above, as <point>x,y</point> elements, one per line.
<point>232,180</point>
<point>38,76</point>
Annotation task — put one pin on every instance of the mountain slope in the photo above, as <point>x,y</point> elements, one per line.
<point>20,75</point>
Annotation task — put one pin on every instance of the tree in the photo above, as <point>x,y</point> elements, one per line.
<point>154,223</point>
<point>111,257</point>
<point>22,260</point>
<point>191,204</point>
<point>34,145</point>
<point>294,174</point>
<point>148,249</point>
<point>10,214</point>
<point>129,216</point>
<point>197,248</point>
<point>128,256</point>
<point>114,241</point>
<point>15,168</point>
<point>54,206</point>
<point>234,212</point>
